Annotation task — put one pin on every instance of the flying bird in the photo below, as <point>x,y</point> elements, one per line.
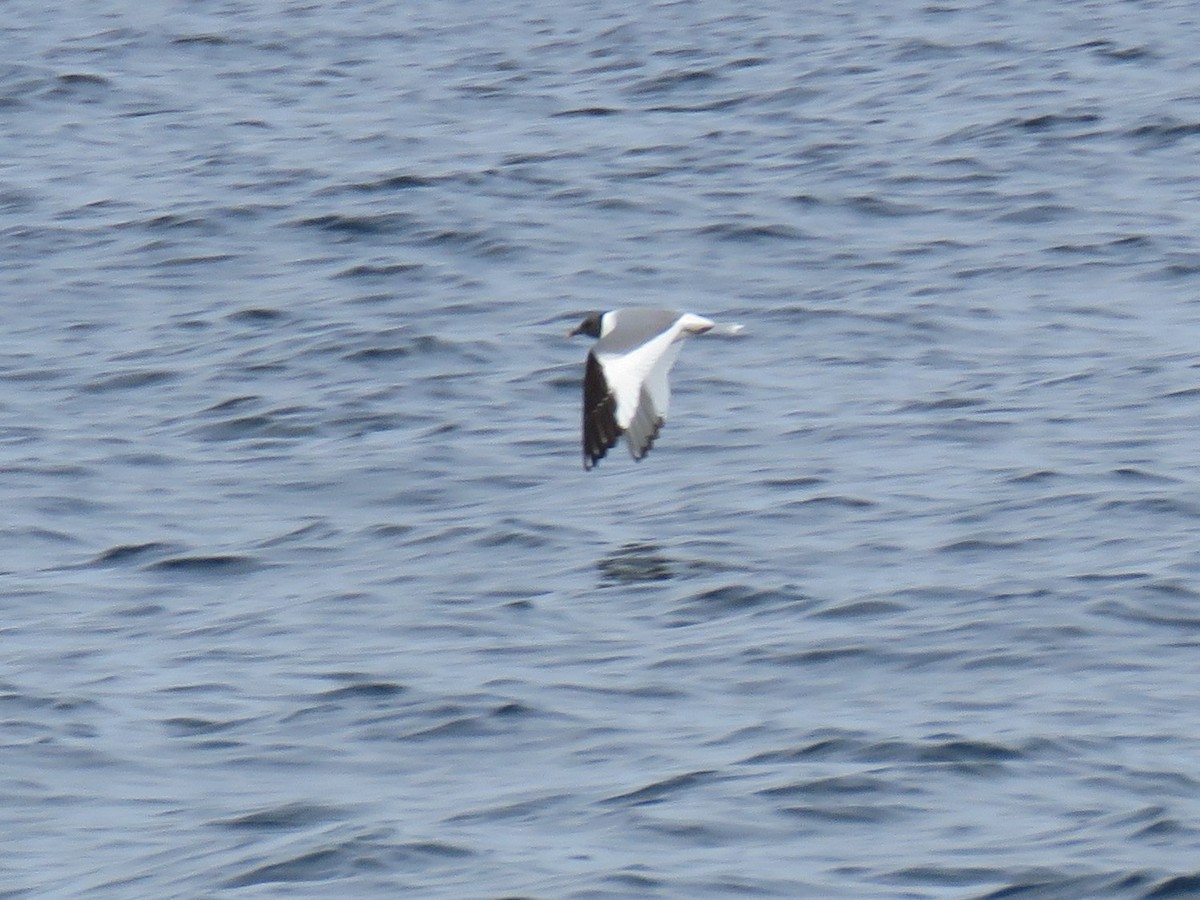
<point>625,387</point>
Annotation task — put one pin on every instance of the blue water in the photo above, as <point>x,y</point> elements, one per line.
<point>305,591</point>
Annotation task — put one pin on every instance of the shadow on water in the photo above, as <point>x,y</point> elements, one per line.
<point>635,562</point>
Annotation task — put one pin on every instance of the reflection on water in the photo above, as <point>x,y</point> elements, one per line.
<point>635,562</point>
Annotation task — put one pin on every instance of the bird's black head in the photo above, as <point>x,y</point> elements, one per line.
<point>589,326</point>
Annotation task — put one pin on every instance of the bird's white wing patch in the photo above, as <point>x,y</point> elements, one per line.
<point>658,384</point>
<point>627,372</point>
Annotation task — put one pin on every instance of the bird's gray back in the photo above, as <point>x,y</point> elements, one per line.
<point>633,326</point>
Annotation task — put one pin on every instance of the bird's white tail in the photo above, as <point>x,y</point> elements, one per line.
<point>726,330</point>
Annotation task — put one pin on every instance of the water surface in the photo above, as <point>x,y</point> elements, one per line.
<point>306,593</point>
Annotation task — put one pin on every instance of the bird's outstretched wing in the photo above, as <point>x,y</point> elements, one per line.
<point>600,429</point>
<point>644,428</point>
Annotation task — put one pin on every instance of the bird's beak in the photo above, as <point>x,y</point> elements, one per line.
<point>573,332</point>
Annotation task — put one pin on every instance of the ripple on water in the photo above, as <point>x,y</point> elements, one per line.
<point>128,553</point>
<point>658,791</point>
<point>348,857</point>
<point>204,566</point>
<point>287,817</point>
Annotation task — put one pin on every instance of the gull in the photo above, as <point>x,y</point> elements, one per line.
<point>625,387</point>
